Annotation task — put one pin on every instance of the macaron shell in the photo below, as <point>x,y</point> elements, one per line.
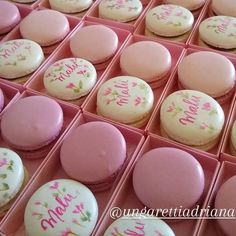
<point>97,148</point>
<point>9,16</point>
<point>190,5</point>
<point>225,8</point>
<point>139,226</point>
<point>191,117</point>
<point>72,6</point>
<point>45,27</point>
<point>1,100</point>
<point>225,199</point>
<point>19,57</point>
<point>95,43</point>
<point>159,170</point>
<point>146,60</point>
<point>169,20</point>
<point>120,10</point>
<point>220,76</point>
<point>233,135</point>
<point>219,31</point>
<point>32,122</point>
<point>12,175</point>
<point>125,99</point>
<point>24,1</point>
<point>61,207</point>
<point>70,78</point>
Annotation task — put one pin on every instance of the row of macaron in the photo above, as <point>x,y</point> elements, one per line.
<point>76,206</point>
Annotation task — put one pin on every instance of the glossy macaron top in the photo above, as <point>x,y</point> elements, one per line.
<point>95,43</point>
<point>146,60</point>
<point>233,135</point>
<point>226,199</point>
<point>191,117</point>
<point>191,5</point>
<point>2,100</point>
<point>46,27</point>
<point>208,72</point>
<point>93,152</point>
<point>12,175</point>
<point>157,173</point>
<point>219,31</point>
<point>143,225</point>
<point>19,57</point>
<point>70,78</point>
<point>61,207</point>
<point>169,20</point>
<point>225,8</point>
<point>32,122</point>
<point>9,16</point>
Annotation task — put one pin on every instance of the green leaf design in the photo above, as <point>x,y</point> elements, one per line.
<point>83,218</point>
<point>45,205</point>
<point>55,194</point>
<point>64,189</point>
<point>3,176</point>
<point>5,186</point>
<point>11,162</point>
<point>77,90</point>
<point>10,168</point>
<point>213,112</point>
<point>80,84</point>
<point>6,195</point>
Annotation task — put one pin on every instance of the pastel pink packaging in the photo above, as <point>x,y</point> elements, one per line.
<point>115,70</point>
<point>126,199</point>
<point>12,224</point>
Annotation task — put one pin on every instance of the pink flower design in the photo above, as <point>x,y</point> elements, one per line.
<point>79,208</point>
<point>55,185</point>
<point>179,13</point>
<point>71,86</point>
<point>206,106</point>
<point>137,100</point>
<point>134,84</point>
<point>203,126</point>
<point>171,107</point>
<point>107,92</point>
<point>158,233</point>
<point>37,203</point>
<point>74,221</point>
<point>116,232</point>
<point>108,101</point>
<point>81,72</point>
<point>66,232</point>
<point>35,214</point>
<point>3,162</point>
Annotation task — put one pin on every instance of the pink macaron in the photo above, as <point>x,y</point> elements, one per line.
<point>31,124</point>
<point>165,178</point>
<point>9,16</point>
<point>95,43</point>
<point>93,154</point>
<point>1,100</point>
<point>147,60</point>
<point>226,199</point>
<point>208,72</point>
<point>46,27</point>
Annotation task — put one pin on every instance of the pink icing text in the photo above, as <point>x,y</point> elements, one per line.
<point>192,112</point>
<point>137,231</point>
<point>167,11</point>
<point>55,215</point>
<point>9,51</point>
<point>223,26</point>
<point>123,98</point>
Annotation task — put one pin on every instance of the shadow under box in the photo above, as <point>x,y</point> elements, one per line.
<point>125,197</point>
<point>115,70</point>
<point>14,222</point>
<point>210,227</point>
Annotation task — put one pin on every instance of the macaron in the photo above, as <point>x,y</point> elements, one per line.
<point>95,43</point>
<point>226,199</point>
<point>120,10</point>
<point>9,16</point>
<point>24,1</point>
<point>125,99</point>
<point>46,27</point>
<point>31,124</point>
<point>233,140</point>
<point>208,72</point>
<point>72,6</point>
<point>169,21</point>
<point>147,60</point>
<point>224,8</point>
<point>61,207</point>
<point>2,100</point>
<point>139,226</point>
<point>192,118</point>
<point>219,32</point>
<point>155,176</point>
<point>13,178</point>
<point>70,78</point>
<point>19,57</point>
<point>99,151</point>
<point>190,5</point>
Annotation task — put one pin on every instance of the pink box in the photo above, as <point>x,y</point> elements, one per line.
<point>93,15</point>
<point>140,30</point>
<point>125,197</point>
<point>154,123</point>
<point>176,52</point>
<point>45,4</point>
<point>13,223</point>
<point>210,227</point>
<point>15,34</point>
<point>36,82</point>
